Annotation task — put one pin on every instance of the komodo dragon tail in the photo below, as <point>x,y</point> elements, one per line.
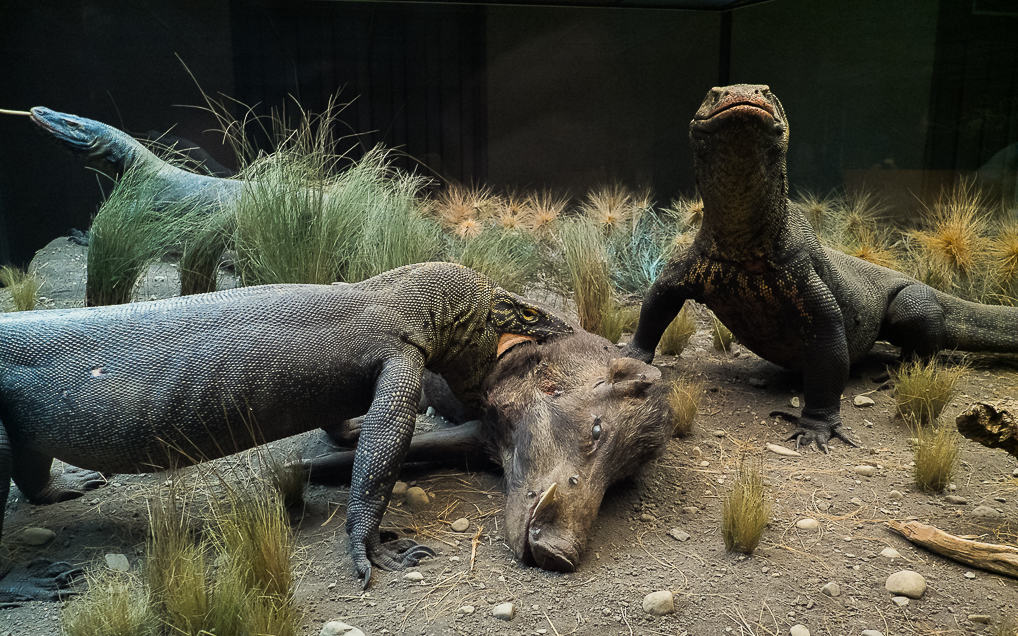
<point>977,327</point>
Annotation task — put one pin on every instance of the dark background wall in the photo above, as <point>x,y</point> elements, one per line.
<point>897,96</point>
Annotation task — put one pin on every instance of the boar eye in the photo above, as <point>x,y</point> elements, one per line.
<point>595,431</point>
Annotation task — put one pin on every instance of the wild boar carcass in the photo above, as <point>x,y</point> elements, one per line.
<point>565,419</point>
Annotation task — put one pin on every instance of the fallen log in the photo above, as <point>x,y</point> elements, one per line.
<point>991,424</point>
<point>993,557</point>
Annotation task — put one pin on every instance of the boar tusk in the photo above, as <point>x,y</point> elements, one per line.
<point>546,503</point>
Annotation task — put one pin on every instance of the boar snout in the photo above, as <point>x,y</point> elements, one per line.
<point>549,546</point>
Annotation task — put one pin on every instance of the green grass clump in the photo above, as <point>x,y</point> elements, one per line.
<point>23,287</point>
<point>723,337</point>
<point>133,228</point>
<point>936,456</point>
<point>745,511</point>
<point>509,257</point>
<point>679,331</point>
<point>684,402</point>
<point>585,254</point>
<point>923,389</point>
<point>203,251</point>
<point>116,604</point>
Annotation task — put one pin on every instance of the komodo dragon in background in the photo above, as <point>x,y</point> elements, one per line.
<point>112,152</point>
<point>758,264</point>
<point>152,385</point>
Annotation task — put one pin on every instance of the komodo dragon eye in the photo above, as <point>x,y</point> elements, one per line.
<point>530,314</point>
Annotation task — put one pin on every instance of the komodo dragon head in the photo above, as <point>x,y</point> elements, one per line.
<point>104,147</point>
<point>517,320</point>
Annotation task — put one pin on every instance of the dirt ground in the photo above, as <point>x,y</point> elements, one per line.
<point>631,552</point>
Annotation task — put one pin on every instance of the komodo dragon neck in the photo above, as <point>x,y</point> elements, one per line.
<point>741,174</point>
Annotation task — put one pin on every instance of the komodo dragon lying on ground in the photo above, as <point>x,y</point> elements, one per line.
<point>112,152</point>
<point>758,264</point>
<point>146,386</point>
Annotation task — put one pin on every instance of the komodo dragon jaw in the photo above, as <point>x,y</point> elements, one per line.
<point>511,314</point>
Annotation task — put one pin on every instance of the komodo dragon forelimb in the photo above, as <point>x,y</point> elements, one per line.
<point>758,264</point>
<point>147,386</point>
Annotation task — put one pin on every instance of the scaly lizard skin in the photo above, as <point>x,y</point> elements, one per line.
<point>152,385</point>
<point>758,264</point>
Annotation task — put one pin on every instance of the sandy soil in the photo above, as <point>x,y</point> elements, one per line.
<point>631,552</point>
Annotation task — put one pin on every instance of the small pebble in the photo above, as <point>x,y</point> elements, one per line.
<point>890,553</point>
<point>863,401</point>
<point>794,401</point>
<point>504,611</point>
<point>413,576</point>
<point>782,450</point>
<point>980,618</point>
<point>986,512</point>
<point>832,589</point>
<point>798,630</point>
<point>659,603</point>
<point>416,498</point>
<point>692,510</point>
<point>956,500</point>
<point>866,470</point>
<point>872,632</point>
<point>460,525</point>
<point>807,524</point>
<point>906,583</point>
<point>900,601</point>
<point>37,536</point>
<point>118,562</point>
<point>466,610</point>
<point>339,628</point>
<point>399,489</point>
<point>647,517</point>
<point>896,494</point>
<point>678,534</point>
<point>970,575</point>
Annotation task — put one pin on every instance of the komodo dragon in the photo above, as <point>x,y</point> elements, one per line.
<point>112,152</point>
<point>758,264</point>
<point>151,385</point>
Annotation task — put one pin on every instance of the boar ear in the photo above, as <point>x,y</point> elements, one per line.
<point>631,377</point>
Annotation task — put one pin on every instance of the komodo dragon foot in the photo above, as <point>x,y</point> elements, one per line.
<point>813,430</point>
<point>72,483</point>
<point>40,580</point>
<point>394,555</point>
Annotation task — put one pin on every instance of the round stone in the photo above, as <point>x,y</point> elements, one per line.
<point>832,589</point>
<point>460,525</point>
<point>863,401</point>
<point>118,562</point>
<point>398,490</point>
<point>890,553</point>
<point>798,630</point>
<point>659,603</point>
<point>957,500</point>
<point>906,583</point>
<point>807,524</point>
<point>37,536</point>
<point>339,628</point>
<point>872,632</point>
<point>900,601</point>
<point>466,610</point>
<point>414,576</point>
<point>986,512</point>
<point>416,498</point>
<point>678,534</point>
<point>504,611</point>
<point>866,470</point>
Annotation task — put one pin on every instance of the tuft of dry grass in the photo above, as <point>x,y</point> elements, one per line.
<point>544,208</point>
<point>1003,253</point>
<point>872,245</point>
<point>609,206</point>
<point>684,402</point>
<point>687,210</point>
<point>936,456</point>
<point>923,389</point>
<point>745,511</point>
<point>585,254</point>
<point>676,336</point>
<point>512,212</point>
<point>723,337</point>
<point>287,478</point>
<point>23,287</point>
<point>953,242</point>
<point>117,604</point>
<point>818,210</point>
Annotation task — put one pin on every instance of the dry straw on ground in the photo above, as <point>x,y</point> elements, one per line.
<point>745,510</point>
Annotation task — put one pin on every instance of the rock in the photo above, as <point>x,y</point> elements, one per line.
<point>906,583</point>
<point>900,601</point>
<point>970,575</point>
<point>659,603</point>
<point>794,401</point>
<point>118,562</point>
<point>865,470</point>
<point>890,553</point>
<point>414,576</point>
<point>460,525</point>
<point>832,589</point>
<point>416,498</point>
<point>807,524</point>
<point>37,536</point>
<point>863,401</point>
<point>339,628</point>
<point>398,490</point>
<point>781,450</point>
<point>798,630</point>
<point>986,512</point>
<point>896,494</point>
<point>956,500</point>
<point>690,510</point>
<point>719,433</point>
<point>872,632</point>
<point>647,517</point>
<point>1014,473</point>
<point>980,618</point>
<point>466,610</point>
<point>504,611</point>
<point>678,535</point>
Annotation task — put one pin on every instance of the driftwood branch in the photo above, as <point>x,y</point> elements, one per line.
<point>994,557</point>
<point>991,424</point>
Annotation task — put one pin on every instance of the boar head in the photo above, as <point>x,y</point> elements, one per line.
<point>568,418</point>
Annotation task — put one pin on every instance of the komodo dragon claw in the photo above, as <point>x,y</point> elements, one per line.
<point>810,431</point>
<point>41,580</point>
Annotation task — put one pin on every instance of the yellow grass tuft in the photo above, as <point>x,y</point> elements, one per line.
<point>468,228</point>
<point>1003,252</point>
<point>683,402</point>
<point>954,237</point>
<point>453,205</point>
<point>936,456</point>
<point>23,287</point>
<point>923,389</point>
<point>609,206</point>
<point>745,511</point>
<point>116,604</point>
<point>585,254</point>
<point>679,331</point>
<point>818,210</point>
<point>544,208</point>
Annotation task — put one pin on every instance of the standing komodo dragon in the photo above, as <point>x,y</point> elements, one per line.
<point>151,385</point>
<point>758,264</point>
